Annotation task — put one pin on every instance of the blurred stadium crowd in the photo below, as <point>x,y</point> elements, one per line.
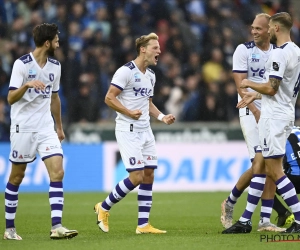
<point>197,39</point>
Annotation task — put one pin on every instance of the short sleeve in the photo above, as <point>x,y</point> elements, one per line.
<point>57,80</point>
<point>240,59</point>
<point>17,75</point>
<point>278,64</point>
<point>121,77</point>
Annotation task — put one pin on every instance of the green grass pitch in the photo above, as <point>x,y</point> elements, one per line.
<point>191,219</point>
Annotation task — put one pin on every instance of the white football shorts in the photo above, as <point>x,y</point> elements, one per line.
<point>24,146</point>
<point>273,135</point>
<point>250,131</point>
<point>137,149</point>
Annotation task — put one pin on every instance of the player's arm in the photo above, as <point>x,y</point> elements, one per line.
<point>15,95</point>
<point>112,101</point>
<point>56,113</point>
<point>238,78</point>
<point>154,112</point>
<point>268,88</point>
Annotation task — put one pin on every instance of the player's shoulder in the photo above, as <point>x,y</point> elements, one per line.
<point>249,45</point>
<point>54,61</point>
<point>129,65</point>
<point>26,59</point>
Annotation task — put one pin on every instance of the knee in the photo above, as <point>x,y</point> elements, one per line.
<point>136,177</point>
<point>16,179</point>
<point>148,176</point>
<point>57,175</point>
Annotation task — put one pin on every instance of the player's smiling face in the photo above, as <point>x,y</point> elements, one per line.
<point>152,52</point>
<point>259,30</point>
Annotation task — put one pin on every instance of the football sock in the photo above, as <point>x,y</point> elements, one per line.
<point>119,192</point>
<point>287,191</point>
<point>56,200</point>
<point>145,203</point>
<point>266,209</point>
<point>11,204</point>
<point>255,191</point>
<point>279,207</point>
<point>233,197</point>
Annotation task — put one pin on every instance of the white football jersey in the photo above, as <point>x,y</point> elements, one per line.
<point>249,59</point>
<point>32,112</point>
<point>283,64</point>
<point>137,88</point>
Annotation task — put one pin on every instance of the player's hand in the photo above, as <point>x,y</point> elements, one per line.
<point>135,114</point>
<point>168,119</point>
<point>247,99</point>
<point>36,84</point>
<point>244,84</point>
<point>60,134</point>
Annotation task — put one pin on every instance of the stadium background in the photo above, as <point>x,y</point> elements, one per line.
<point>204,150</point>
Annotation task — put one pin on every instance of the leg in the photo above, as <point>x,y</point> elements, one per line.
<point>267,199</point>
<point>241,185</point>
<point>56,198</point>
<point>145,203</point>
<point>286,189</point>
<point>284,215</point>
<point>145,197</point>
<point>255,191</point>
<point>119,192</point>
<point>279,207</point>
<point>256,187</point>
<point>11,199</point>
<point>228,204</point>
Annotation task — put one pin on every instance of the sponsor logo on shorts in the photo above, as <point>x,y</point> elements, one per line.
<point>151,158</point>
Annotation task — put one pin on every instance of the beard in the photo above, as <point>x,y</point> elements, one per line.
<point>273,39</point>
<point>50,51</point>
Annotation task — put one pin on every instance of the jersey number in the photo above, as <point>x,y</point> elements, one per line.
<point>296,88</point>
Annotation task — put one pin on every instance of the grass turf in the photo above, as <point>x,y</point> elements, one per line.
<point>191,219</point>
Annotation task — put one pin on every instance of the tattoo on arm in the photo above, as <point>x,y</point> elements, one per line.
<point>258,96</point>
<point>275,83</point>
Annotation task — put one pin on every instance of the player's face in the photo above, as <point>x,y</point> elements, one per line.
<point>259,30</point>
<point>152,52</point>
<point>54,44</point>
<point>271,32</point>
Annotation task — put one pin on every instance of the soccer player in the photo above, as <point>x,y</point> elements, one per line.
<point>278,94</point>
<point>130,95</point>
<point>249,63</point>
<point>291,167</point>
<point>33,96</point>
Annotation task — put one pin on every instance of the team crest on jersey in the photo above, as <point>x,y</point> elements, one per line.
<point>137,77</point>
<point>276,66</point>
<point>151,82</point>
<point>51,77</point>
<point>31,73</point>
<point>255,57</point>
